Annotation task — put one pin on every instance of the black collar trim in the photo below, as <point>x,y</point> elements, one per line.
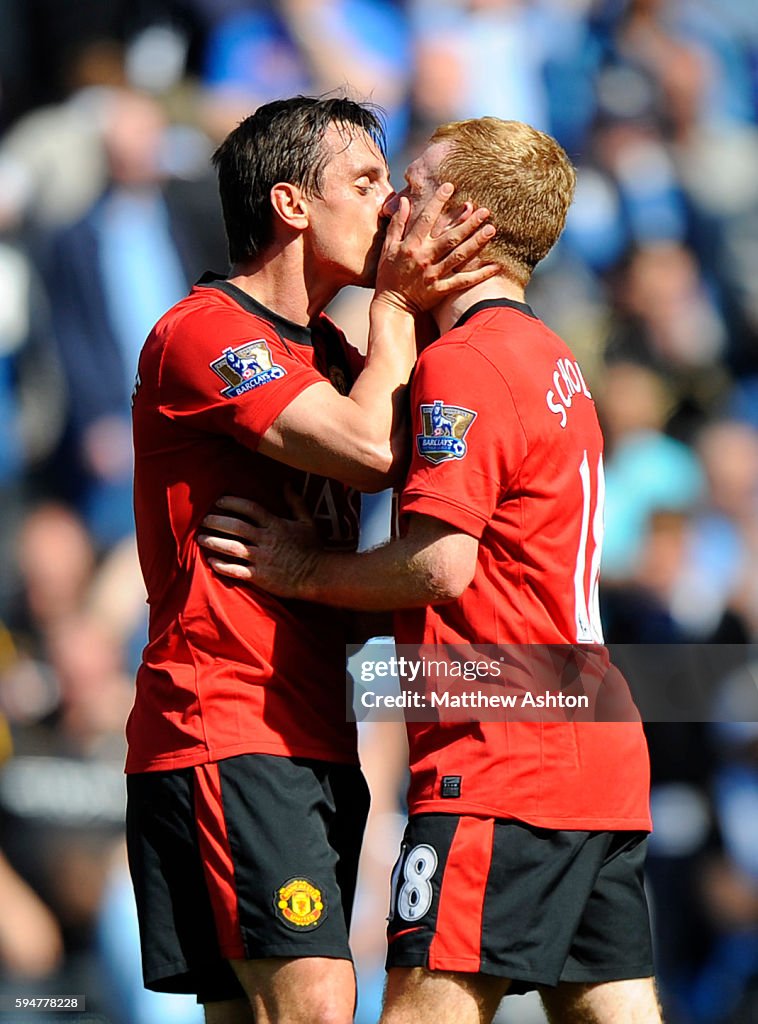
<point>286,328</point>
<point>522,307</point>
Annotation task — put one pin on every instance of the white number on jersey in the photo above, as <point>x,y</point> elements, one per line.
<point>589,629</point>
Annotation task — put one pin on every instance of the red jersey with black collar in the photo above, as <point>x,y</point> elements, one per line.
<point>229,669</point>
<point>507,448</point>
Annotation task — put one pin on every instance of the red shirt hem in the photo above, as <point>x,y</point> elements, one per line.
<point>555,822</point>
<point>205,755</point>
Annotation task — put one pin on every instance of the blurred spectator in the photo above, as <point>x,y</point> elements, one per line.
<point>718,578</point>
<point>62,793</point>
<point>717,170</point>
<point>60,579</point>
<point>56,559</point>
<point>682,841</point>
<point>646,471</point>
<point>480,56</point>
<point>695,60</point>
<point>110,276</point>
<point>263,50</point>
<point>667,318</point>
<point>65,691</point>
<point>56,150</point>
<point>31,403</point>
<point>726,987</point>
<point>30,940</point>
<point>664,318</point>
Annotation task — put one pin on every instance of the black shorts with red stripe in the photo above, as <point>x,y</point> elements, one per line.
<point>251,857</point>
<point>501,897</point>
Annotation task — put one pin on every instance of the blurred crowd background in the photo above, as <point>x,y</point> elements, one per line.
<point>109,112</point>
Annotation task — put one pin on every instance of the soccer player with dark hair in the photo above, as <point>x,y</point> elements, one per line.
<point>522,861</point>
<point>246,805</point>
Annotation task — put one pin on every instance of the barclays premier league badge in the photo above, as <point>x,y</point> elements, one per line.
<point>245,368</point>
<point>443,429</point>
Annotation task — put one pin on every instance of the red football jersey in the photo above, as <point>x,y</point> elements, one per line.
<point>507,448</point>
<point>229,669</point>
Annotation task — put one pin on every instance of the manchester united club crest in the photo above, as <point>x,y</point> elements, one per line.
<point>443,429</point>
<point>247,367</point>
<point>300,905</point>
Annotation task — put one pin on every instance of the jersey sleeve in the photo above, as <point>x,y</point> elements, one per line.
<point>230,381</point>
<point>468,441</point>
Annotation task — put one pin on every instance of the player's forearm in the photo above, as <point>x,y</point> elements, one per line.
<point>379,391</point>
<point>433,563</point>
<point>363,582</point>
<point>396,575</point>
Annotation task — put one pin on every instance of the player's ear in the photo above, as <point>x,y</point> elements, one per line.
<point>289,205</point>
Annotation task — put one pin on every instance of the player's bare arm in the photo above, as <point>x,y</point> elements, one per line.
<point>357,438</point>
<point>433,563</point>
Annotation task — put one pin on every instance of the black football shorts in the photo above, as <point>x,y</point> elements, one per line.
<point>500,897</point>
<point>251,857</point>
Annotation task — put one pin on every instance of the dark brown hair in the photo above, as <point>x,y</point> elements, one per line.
<point>281,141</point>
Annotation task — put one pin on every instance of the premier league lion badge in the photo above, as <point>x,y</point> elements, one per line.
<point>300,905</point>
<point>444,428</point>
<point>246,368</point>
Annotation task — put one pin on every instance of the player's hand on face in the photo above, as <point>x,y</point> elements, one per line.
<point>275,554</point>
<point>426,258</point>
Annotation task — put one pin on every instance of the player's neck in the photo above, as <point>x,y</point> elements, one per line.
<point>451,309</point>
<point>278,282</point>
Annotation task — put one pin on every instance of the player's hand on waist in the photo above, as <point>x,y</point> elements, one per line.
<point>245,542</point>
<point>425,258</point>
